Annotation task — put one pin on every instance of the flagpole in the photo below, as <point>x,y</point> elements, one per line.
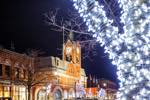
<point>90,80</point>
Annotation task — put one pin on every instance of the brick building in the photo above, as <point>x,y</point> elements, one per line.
<point>53,78</point>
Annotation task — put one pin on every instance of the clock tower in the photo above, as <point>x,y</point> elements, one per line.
<point>72,54</point>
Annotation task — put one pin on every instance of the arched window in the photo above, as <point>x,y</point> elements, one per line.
<point>57,95</point>
<point>41,95</point>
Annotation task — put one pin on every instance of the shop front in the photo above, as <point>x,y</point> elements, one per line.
<point>19,93</point>
<point>41,94</point>
<point>12,92</point>
<point>5,92</point>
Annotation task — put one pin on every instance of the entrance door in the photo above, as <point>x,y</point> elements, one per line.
<point>41,95</point>
<point>57,95</point>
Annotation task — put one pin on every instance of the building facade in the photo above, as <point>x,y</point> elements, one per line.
<point>109,87</point>
<point>53,78</point>
<point>13,75</point>
<point>103,90</point>
<point>66,78</point>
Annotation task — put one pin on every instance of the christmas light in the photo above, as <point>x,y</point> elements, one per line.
<point>129,51</point>
<point>97,22</point>
<point>135,16</point>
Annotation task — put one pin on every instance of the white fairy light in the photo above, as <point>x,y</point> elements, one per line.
<point>130,51</point>
<point>135,16</point>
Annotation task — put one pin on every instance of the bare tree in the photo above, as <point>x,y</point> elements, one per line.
<point>72,23</point>
<point>32,74</point>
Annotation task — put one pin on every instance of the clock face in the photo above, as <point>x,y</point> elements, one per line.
<point>68,50</point>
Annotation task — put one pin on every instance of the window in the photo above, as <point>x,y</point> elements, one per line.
<point>41,95</point>
<point>1,70</point>
<point>22,93</point>
<point>6,91</point>
<point>68,58</point>
<point>16,93</point>
<point>57,62</point>
<point>16,73</point>
<point>1,91</point>
<point>7,71</point>
<point>21,73</point>
<point>77,59</point>
<point>24,73</point>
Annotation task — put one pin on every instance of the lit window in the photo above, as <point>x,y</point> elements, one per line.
<point>6,91</point>
<point>1,91</point>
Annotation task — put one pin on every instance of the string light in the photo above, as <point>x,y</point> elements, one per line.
<point>129,51</point>
<point>135,17</point>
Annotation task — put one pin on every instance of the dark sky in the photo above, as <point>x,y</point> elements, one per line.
<point>22,22</point>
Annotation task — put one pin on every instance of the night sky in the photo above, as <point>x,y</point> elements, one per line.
<point>22,22</point>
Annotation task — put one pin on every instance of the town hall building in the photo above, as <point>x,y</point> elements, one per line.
<point>49,78</point>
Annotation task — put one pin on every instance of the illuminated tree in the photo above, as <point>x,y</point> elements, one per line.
<point>134,66</point>
<point>129,50</point>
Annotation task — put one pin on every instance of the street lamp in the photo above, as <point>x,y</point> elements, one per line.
<point>104,84</point>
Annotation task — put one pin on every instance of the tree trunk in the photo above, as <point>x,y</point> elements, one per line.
<point>29,92</point>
